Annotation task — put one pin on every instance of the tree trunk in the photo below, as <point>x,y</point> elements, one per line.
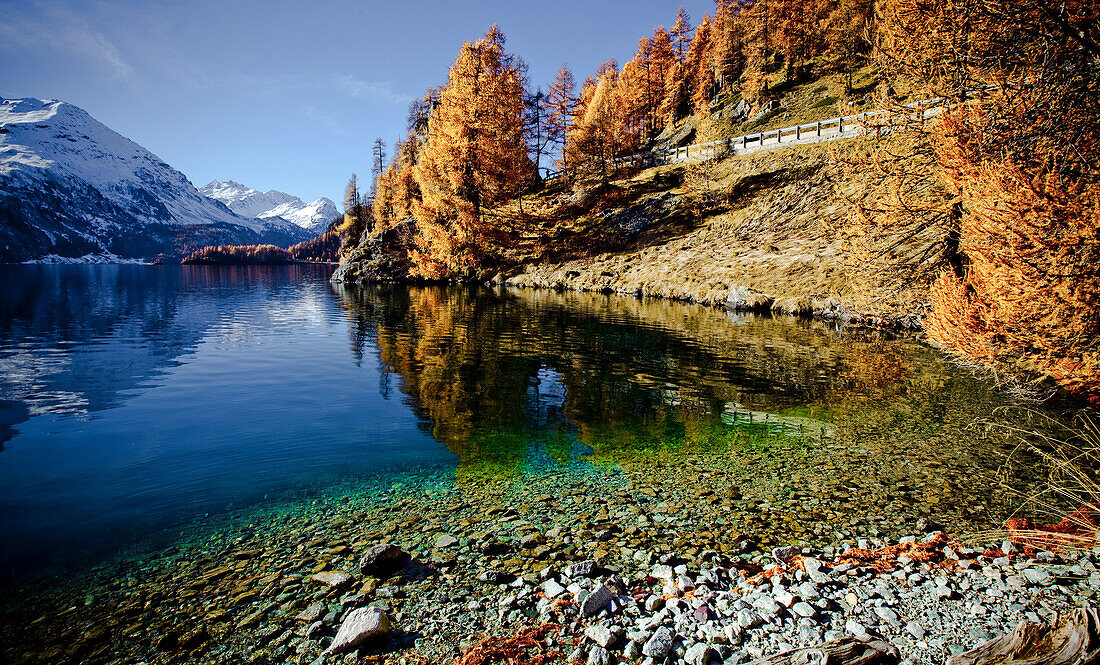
<point>845,651</point>
<point>1073,639</point>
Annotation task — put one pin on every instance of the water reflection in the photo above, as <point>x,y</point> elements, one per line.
<point>136,398</point>
<point>506,378</point>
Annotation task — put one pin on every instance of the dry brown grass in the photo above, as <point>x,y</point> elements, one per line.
<point>1070,502</point>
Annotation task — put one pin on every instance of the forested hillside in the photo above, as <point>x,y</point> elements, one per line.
<point>976,211</point>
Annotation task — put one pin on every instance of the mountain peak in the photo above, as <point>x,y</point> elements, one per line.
<point>249,202</point>
<point>70,185</point>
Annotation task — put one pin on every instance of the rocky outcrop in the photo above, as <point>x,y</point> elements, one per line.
<point>744,299</point>
<point>382,257</point>
<point>675,136</point>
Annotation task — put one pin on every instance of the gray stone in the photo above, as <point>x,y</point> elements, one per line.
<point>362,626</point>
<point>581,569</point>
<point>748,620</point>
<point>654,603</point>
<point>552,589</point>
<point>813,570</point>
<point>660,644</point>
<point>312,613</point>
<point>803,609</point>
<point>699,654</point>
<point>633,650</point>
<point>887,614</point>
<point>596,601</point>
<point>744,299</point>
<point>445,540</point>
<point>662,572</point>
<point>767,605</point>
<point>598,656</point>
<point>857,630</point>
<point>495,577</point>
<point>315,630</point>
<point>916,630</point>
<point>1037,576</point>
<point>332,578</point>
<point>601,635</point>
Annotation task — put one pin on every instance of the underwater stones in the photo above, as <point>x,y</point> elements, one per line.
<point>332,579</point>
<point>444,541</point>
<point>784,555</point>
<point>580,569</point>
<point>382,559</point>
<point>495,577</point>
<point>311,613</point>
<point>193,639</point>
<point>363,626</point>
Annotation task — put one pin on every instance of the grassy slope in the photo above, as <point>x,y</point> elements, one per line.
<point>771,231</point>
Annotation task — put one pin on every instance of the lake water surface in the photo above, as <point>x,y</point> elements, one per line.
<point>138,400</point>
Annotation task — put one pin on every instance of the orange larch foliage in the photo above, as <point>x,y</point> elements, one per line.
<point>475,156</point>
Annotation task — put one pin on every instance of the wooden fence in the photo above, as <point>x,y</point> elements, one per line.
<point>843,127</point>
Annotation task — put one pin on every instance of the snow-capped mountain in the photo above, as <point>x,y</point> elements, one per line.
<point>71,186</point>
<point>249,202</point>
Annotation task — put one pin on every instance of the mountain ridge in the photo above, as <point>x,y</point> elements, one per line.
<point>248,202</point>
<point>70,186</point>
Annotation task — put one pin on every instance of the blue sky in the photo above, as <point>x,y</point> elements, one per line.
<point>287,95</point>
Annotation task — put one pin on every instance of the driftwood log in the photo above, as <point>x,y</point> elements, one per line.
<point>1073,639</point>
<point>845,651</point>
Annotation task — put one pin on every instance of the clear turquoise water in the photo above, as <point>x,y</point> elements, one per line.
<point>136,399</point>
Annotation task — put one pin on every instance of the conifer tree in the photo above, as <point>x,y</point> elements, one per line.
<point>698,72</point>
<point>354,219</point>
<point>379,153</point>
<point>681,34</point>
<point>561,104</point>
<point>474,157</point>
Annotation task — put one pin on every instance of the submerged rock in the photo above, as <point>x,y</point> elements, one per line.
<point>332,578</point>
<point>382,560</point>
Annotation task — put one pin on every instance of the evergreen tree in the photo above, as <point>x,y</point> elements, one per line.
<point>379,153</point>
<point>354,218</point>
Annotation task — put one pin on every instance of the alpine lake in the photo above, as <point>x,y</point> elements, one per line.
<point>181,448</point>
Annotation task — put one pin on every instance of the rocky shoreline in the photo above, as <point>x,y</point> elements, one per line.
<point>620,572</point>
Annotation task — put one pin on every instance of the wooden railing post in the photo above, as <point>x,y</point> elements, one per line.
<point>819,129</point>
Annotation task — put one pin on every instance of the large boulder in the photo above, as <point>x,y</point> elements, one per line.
<point>675,136</point>
<point>361,627</point>
<point>382,559</point>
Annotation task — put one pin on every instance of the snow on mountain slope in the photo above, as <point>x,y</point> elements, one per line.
<point>254,203</point>
<point>70,185</point>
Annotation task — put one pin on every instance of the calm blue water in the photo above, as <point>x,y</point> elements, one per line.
<point>136,399</point>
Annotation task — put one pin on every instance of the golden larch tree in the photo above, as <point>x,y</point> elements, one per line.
<point>474,158</point>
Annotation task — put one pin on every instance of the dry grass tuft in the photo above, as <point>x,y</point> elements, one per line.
<point>1071,498</point>
<point>526,647</point>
